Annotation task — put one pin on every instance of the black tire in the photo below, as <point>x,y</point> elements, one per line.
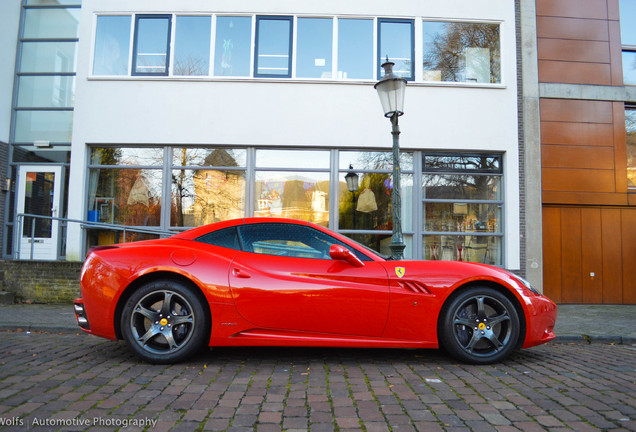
<point>479,326</point>
<point>165,322</point>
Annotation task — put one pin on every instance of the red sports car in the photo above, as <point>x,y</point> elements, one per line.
<point>281,282</point>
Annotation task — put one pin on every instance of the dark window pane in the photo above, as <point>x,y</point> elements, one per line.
<point>396,43</point>
<point>151,45</point>
<point>475,163</point>
<point>273,47</point>
<point>233,46</point>
<point>192,45</point>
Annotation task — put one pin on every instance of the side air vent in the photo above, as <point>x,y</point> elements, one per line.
<point>414,286</point>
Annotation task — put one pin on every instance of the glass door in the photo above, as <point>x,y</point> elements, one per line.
<point>39,194</point>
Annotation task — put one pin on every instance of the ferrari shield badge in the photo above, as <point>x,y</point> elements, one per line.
<point>399,271</point>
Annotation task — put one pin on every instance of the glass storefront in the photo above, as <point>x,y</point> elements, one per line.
<point>174,188</point>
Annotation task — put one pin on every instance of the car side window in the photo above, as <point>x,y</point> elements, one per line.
<point>288,240</point>
<point>226,237</point>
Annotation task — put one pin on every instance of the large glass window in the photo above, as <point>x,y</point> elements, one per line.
<point>112,41</point>
<point>151,52</point>
<point>292,184</point>
<point>628,40</point>
<point>51,23</point>
<point>208,185</point>
<point>48,57</point>
<point>233,46</point>
<point>124,187</point>
<point>395,41</point>
<point>273,46</point>
<point>463,208</point>
<point>461,52</point>
<point>314,40</point>
<point>46,91</point>
<point>192,45</point>
<point>452,204</point>
<point>366,200</point>
<point>630,129</point>
<point>355,49</point>
<point>51,126</point>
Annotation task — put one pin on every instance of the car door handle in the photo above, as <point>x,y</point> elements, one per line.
<point>240,273</point>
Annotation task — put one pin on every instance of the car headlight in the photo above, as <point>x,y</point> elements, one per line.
<point>527,284</point>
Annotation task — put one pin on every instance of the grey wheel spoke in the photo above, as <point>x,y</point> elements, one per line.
<point>481,310</point>
<point>496,343</point>
<point>473,341</point>
<point>182,319</point>
<point>167,302</point>
<point>148,313</point>
<point>498,319</point>
<point>171,342</point>
<point>464,321</point>
<point>152,332</point>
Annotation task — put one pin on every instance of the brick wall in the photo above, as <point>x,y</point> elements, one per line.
<point>40,281</point>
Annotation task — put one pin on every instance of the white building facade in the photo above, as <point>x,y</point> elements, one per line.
<point>187,113</point>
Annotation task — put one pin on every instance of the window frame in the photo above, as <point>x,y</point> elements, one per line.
<point>290,49</point>
<point>379,58</point>
<point>497,172</point>
<point>135,51</point>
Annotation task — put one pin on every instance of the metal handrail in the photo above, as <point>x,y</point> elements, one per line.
<point>84,224</point>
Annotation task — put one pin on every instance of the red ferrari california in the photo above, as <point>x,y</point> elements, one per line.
<point>281,282</point>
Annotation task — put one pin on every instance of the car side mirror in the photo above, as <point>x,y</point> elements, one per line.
<point>339,252</point>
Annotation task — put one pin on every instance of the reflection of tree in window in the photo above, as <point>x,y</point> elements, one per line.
<point>465,52</point>
<point>206,195</point>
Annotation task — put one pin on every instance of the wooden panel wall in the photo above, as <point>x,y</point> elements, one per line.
<point>577,42</point>
<point>588,254</point>
<point>583,152</point>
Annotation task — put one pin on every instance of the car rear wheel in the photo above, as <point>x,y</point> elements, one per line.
<point>479,326</point>
<point>164,322</point>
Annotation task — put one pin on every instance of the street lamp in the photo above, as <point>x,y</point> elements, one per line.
<point>352,184</point>
<point>391,91</point>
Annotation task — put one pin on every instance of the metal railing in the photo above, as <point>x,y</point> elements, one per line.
<point>84,224</point>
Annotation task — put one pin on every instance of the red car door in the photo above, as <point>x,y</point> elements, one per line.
<point>309,294</point>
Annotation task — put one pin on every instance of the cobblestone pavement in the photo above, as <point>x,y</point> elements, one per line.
<point>80,382</point>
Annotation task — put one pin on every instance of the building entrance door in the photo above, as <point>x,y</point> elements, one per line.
<point>39,193</point>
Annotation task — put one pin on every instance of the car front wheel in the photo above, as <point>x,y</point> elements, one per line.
<point>164,322</point>
<point>479,326</point>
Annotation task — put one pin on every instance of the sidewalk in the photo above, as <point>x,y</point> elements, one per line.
<point>575,323</point>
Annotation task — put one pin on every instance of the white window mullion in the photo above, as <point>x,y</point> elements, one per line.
<point>212,44</point>
<point>294,46</point>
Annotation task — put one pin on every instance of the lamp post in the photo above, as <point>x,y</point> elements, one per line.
<point>391,91</point>
<point>352,184</point>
